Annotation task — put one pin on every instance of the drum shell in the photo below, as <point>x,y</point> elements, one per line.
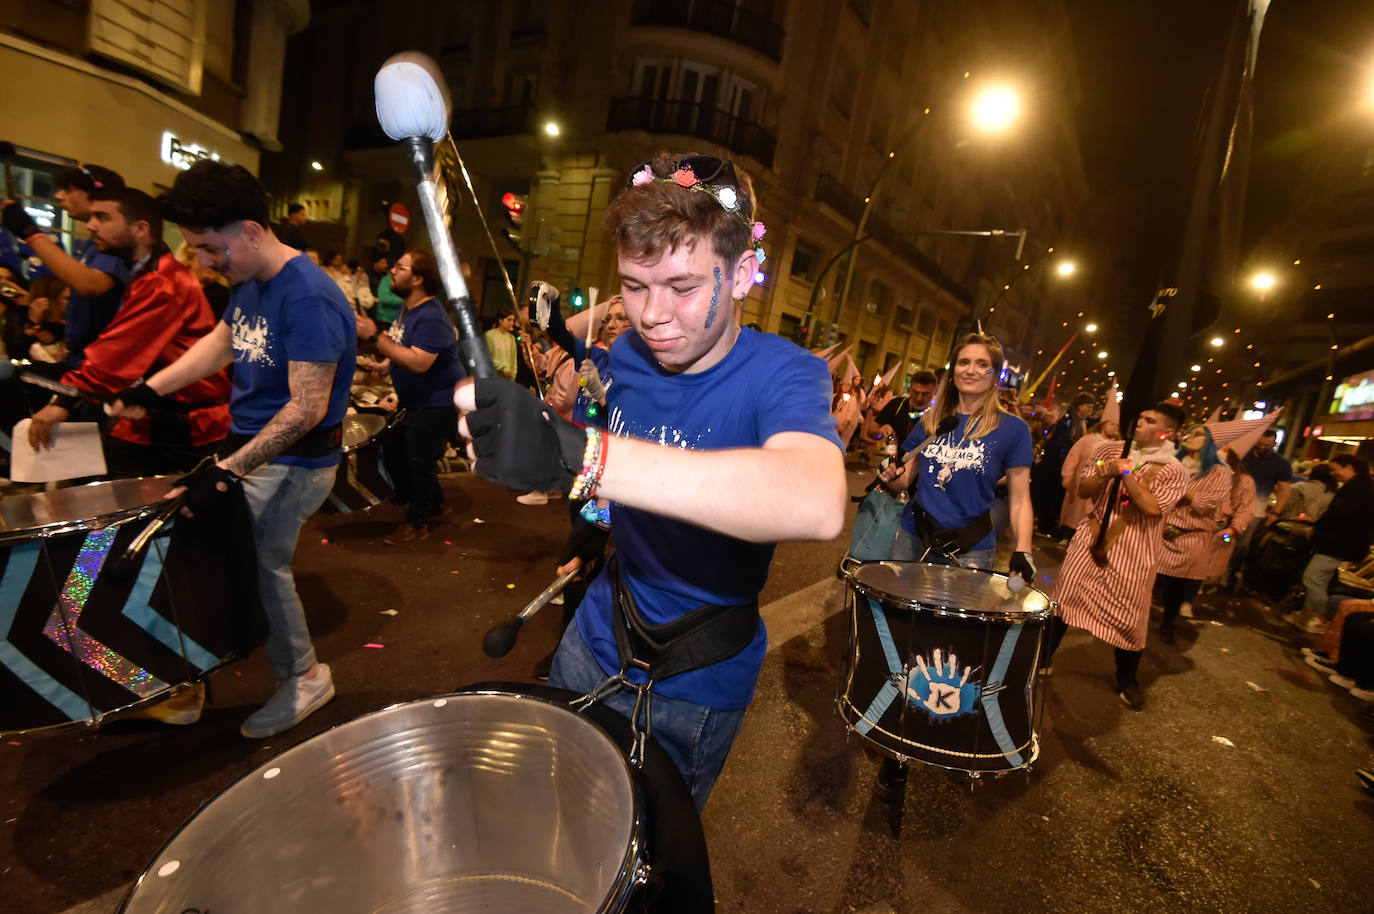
<point>87,637</point>
<point>467,802</point>
<point>363,480</point>
<point>1000,651</point>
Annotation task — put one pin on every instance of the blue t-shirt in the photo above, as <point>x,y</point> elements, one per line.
<point>88,315</point>
<point>427,326</point>
<point>299,315</point>
<point>601,358</point>
<point>764,386</point>
<point>957,479</point>
<point>1267,471</point>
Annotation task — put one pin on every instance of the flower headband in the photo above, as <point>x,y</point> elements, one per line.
<point>696,173</point>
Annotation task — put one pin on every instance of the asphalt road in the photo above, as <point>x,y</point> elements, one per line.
<point>1233,790</point>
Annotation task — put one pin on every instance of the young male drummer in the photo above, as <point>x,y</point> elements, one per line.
<point>290,335</point>
<point>706,468</point>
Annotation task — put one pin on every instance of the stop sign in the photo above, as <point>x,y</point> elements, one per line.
<point>399,217</point>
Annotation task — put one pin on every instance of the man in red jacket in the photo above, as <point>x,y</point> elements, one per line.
<point>162,315</point>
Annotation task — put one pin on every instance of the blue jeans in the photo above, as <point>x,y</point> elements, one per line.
<point>696,738</point>
<point>909,548</point>
<point>280,498</point>
<point>1316,577</point>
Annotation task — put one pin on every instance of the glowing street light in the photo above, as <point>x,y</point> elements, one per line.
<point>1066,267</point>
<point>1091,328</point>
<point>1196,367</point>
<point>317,166</point>
<point>551,128</point>
<point>1101,353</point>
<point>995,108</point>
<point>1263,281</point>
<point>1218,342</point>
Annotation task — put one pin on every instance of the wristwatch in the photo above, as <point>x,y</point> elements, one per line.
<point>374,337</point>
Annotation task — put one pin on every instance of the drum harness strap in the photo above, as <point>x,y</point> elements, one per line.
<point>949,543</point>
<point>706,635</point>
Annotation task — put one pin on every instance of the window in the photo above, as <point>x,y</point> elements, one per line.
<point>803,261</point>
<point>843,81</point>
<point>879,297</point>
<point>925,322</point>
<point>743,96</point>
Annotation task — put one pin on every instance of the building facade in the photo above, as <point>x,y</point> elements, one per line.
<point>144,87</point>
<point>825,104</point>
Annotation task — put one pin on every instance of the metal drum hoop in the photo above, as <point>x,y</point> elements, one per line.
<point>1018,617</point>
<point>91,522</point>
<point>631,873</point>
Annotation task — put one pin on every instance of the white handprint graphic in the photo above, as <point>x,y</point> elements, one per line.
<point>940,688</point>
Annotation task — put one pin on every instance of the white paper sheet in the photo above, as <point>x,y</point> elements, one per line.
<point>76,452</point>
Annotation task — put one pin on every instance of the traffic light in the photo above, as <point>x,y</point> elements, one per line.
<point>515,216</point>
<point>572,294</point>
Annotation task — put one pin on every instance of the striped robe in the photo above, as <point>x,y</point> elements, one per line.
<point>1113,602</point>
<point>1189,555</point>
<point>1239,513</point>
<point>1076,507</point>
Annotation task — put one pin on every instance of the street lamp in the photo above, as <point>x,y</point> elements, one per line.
<point>1101,353</point>
<point>1091,328</point>
<point>1262,281</point>
<point>1218,342</point>
<point>551,128</point>
<point>317,166</point>
<point>995,108</point>
<point>1066,267</point>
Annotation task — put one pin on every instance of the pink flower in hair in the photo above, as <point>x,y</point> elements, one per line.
<point>758,231</point>
<point>643,176</point>
<point>685,177</point>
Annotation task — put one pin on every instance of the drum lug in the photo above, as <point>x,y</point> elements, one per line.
<point>642,872</point>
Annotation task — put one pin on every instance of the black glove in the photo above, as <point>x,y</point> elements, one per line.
<point>520,441</point>
<point>140,394</point>
<point>586,542</point>
<point>203,495</point>
<point>19,222</point>
<point>1024,565</point>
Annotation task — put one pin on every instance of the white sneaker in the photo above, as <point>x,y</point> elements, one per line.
<point>1344,682</point>
<point>295,700</point>
<point>1186,610</point>
<point>533,498</point>
<point>1315,625</point>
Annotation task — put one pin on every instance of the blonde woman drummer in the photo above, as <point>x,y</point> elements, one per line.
<point>953,481</point>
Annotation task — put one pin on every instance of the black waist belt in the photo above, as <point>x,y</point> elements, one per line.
<point>706,635</point>
<point>320,441</point>
<point>950,541</point>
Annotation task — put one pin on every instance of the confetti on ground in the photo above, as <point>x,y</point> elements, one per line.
<point>478,520</point>
<point>1256,686</point>
<point>1225,650</point>
<point>1315,883</point>
<point>510,586</point>
<point>448,542</point>
<point>389,612</point>
<point>324,542</point>
<point>453,572</point>
<point>377,647</point>
<point>14,742</point>
<point>1046,818</point>
<point>1224,741</point>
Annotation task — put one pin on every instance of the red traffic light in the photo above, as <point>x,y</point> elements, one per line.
<point>513,203</point>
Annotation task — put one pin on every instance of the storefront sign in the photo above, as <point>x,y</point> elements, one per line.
<point>183,155</point>
<point>1354,398</point>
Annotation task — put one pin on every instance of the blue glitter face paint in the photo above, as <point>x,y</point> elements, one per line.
<point>715,298</point>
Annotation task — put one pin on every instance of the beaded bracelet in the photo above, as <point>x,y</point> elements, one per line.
<point>593,463</point>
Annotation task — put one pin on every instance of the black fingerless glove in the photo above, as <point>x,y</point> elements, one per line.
<point>140,394</point>
<point>202,488</point>
<point>520,441</point>
<point>19,222</point>
<point>586,542</point>
<point>1022,564</point>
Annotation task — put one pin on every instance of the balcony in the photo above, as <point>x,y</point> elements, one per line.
<point>693,119</point>
<point>476,123</point>
<point>722,18</point>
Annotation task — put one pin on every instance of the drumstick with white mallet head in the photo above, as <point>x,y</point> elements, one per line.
<point>413,107</point>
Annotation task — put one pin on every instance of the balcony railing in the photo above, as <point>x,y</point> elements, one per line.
<point>722,18</point>
<point>693,119</point>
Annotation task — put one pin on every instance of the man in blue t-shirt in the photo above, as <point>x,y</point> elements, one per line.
<point>97,280</point>
<point>705,465</point>
<point>1273,475</point>
<point>289,333</point>
<point>420,350</point>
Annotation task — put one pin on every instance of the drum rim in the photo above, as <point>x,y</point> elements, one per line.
<point>1032,756</point>
<point>371,439</point>
<point>632,868</point>
<point>1014,616</point>
<point>73,525</point>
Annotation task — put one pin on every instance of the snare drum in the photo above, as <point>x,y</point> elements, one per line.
<point>362,480</point>
<point>943,664</point>
<point>83,636</point>
<point>476,801</point>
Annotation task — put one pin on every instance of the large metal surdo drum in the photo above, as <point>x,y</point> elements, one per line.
<point>87,635</point>
<point>362,480</point>
<point>477,801</point>
<point>942,665</point>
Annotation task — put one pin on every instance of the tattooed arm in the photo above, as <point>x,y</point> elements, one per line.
<point>310,383</point>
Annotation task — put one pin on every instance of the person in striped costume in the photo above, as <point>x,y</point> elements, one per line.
<point>1112,601</point>
<point>1192,525</point>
